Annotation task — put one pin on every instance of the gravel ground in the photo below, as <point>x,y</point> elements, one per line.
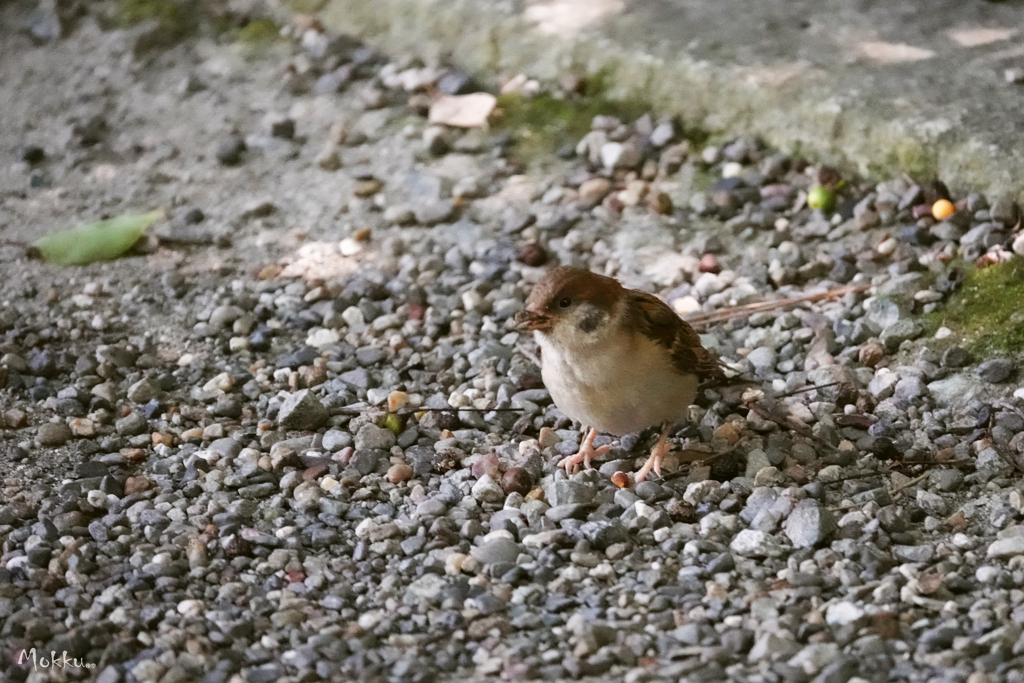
<point>296,438</point>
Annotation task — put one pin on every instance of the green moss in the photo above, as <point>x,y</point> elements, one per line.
<point>173,17</point>
<point>986,312</point>
<point>544,123</point>
<point>307,6</point>
<point>704,177</point>
<point>259,32</point>
<point>547,122</point>
<point>131,12</point>
<point>914,159</point>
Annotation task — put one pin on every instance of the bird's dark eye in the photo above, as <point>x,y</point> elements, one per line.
<point>565,302</point>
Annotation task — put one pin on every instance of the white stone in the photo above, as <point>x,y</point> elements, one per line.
<point>222,382</point>
<point>190,608</point>
<point>364,528</point>
<point>353,317</point>
<point>619,155</point>
<point>732,170</point>
<point>815,657</point>
<point>698,491</point>
<point>543,539</point>
<point>471,300</point>
<point>453,563</point>
<point>611,152</point>
<point>643,509</point>
<point>886,247</point>
<point>457,399</point>
<point>708,284</point>
<point>486,490</point>
<point>370,620</point>
<point>685,305</point>
<point>1007,547</point>
<point>843,613</point>
<point>97,499</point>
<point>350,247</point>
<point>320,337</point>
<point>751,543</point>
<point>462,111</point>
<point>428,587</point>
<point>986,574</point>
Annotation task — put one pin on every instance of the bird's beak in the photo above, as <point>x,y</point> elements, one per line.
<point>528,320</point>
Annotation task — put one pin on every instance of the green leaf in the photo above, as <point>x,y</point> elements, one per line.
<point>100,241</point>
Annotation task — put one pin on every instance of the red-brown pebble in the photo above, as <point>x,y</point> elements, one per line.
<point>162,438</point>
<point>727,432</point>
<point>486,464</point>
<point>593,191</point>
<point>135,485</point>
<point>709,264</point>
<point>517,480</point>
<point>312,375</point>
<point>661,203</point>
<point>828,176</point>
<point>871,354</point>
<point>620,479</point>
<point>315,472</point>
<point>134,454</point>
<point>398,473</point>
<point>613,204</point>
<point>533,254</point>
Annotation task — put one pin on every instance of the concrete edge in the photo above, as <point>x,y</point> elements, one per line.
<point>492,38</point>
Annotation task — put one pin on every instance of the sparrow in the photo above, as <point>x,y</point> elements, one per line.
<point>616,360</point>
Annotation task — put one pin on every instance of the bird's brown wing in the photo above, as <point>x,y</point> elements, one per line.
<point>652,317</point>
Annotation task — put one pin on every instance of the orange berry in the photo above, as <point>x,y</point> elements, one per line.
<point>943,209</point>
<point>620,479</point>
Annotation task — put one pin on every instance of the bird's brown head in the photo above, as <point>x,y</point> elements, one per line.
<point>571,297</point>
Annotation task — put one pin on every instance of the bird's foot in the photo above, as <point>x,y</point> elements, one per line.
<point>585,454</point>
<point>658,453</point>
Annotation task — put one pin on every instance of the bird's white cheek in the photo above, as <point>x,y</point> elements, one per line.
<point>574,339</point>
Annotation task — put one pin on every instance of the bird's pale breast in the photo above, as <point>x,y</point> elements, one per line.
<point>617,388</point>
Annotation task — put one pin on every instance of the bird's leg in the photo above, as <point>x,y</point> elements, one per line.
<point>585,454</point>
<point>657,453</point>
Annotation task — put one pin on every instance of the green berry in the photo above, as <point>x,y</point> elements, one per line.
<point>820,198</point>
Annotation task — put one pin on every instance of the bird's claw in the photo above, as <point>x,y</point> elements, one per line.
<point>660,450</point>
<point>584,455</point>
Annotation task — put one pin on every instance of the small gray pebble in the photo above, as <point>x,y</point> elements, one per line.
<point>996,370</point>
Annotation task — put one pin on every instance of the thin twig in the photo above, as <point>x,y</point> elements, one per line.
<point>413,411</point>
<point>854,477</point>
<point>785,423</point>
<point>956,464</point>
<point>806,389</point>
<point>478,410</point>
<point>745,310</point>
<point>907,485</point>
<point>685,467</point>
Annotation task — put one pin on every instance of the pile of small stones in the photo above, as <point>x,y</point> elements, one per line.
<point>269,478</point>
